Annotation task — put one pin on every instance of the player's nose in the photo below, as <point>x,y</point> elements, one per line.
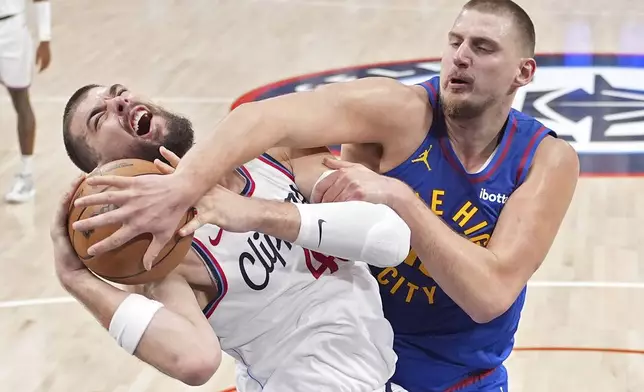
<point>462,56</point>
<point>118,105</point>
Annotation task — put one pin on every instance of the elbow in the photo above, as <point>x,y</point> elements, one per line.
<point>489,309</point>
<point>401,234</point>
<point>389,241</point>
<point>196,369</point>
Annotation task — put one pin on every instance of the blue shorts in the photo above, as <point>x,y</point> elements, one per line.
<point>495,380</point>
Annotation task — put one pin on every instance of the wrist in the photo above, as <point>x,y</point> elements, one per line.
<point>278,219</point>
<point>190,191</point>
<point>399,194</point>
<point>70,280</point>
<point>261,216</point>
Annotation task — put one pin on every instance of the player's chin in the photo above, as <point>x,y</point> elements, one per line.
<point>457,99</point>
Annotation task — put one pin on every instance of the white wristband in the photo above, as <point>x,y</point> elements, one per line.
<point>43,19</point>
<point>131,319</point>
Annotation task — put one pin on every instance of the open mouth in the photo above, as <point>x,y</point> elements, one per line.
<point>140,121</point>
<point>460,81</point>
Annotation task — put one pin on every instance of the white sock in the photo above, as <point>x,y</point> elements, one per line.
<point>26,165</point>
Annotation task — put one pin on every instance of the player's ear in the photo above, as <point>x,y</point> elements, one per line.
<point>526,72</point>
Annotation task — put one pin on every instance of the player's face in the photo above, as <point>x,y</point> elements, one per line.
<point>117,124</point>
<point>480,64</point>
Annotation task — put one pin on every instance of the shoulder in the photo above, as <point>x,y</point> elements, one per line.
<point>557,155</point>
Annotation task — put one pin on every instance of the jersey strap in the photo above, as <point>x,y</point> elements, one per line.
<point>216,273</point>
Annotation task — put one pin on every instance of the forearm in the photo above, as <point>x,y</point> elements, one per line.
<point>252,129</point>
<point>239,137</point>
<point>363,111</point>
<point>98,297</point>
<point>278,219</point>
<point>168,339</point>
<point>464,270</point>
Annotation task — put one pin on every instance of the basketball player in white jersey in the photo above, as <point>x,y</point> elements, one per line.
<point>16,70</point>
<point>260,285</point>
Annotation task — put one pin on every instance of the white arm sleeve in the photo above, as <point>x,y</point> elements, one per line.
<point>355,230</point>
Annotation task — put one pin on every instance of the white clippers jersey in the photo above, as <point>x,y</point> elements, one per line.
<point>293,319</point>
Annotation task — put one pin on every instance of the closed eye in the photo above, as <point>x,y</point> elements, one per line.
<point>100,113</point>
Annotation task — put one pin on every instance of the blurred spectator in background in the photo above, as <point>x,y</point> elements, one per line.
<point>16,72</point>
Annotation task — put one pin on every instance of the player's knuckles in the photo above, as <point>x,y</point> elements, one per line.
<point>358,193</point>
<point>83,225</point>
<point>344,173</point>
<point>114,243</point>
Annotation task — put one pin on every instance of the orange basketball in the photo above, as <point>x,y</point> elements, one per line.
<point>124,264</point>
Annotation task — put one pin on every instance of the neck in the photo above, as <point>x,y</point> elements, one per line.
<point>233,182</point>
<point>475,139</point>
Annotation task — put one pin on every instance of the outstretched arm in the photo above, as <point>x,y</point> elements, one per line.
<point>370,110</point>
<point>356,230</point>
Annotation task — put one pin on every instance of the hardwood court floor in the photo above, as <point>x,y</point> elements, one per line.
<point>196,57</point>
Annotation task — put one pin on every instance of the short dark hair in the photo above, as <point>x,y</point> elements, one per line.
<point>83,156</point>
<point>524,24</point>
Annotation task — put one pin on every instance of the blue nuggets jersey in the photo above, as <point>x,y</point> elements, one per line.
<point>437,343</point>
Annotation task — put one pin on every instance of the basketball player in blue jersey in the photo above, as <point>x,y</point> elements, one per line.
<point>483,187</point>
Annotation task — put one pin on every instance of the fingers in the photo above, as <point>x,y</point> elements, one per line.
<point>118,238</point>
<point>323,185</point>
<point>115,181</point>
<point>42,62</point>
<point>112,217</point>
<point>335,191</point>
<point>333,163</point>
<point>171,157</point>
<point>156,245</point>
<point>60,217</point>
<point>67,196</point>
<point>43,56</point>
<point>111,197</point>
<point>332,188</point>
<point>192,226</point>
<point>163,167</point>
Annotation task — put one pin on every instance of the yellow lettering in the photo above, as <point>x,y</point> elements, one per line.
<point>384,272</point>
<point>475,228</point>
<point>481,239</point>
<point>397,285</point>
<point>466,213</point>
<point>411,258</point>
<point>436,201</point>
<point>410,294</point>
<point>430,294</point>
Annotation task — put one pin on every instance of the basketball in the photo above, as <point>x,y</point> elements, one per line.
<point>123,265</point>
